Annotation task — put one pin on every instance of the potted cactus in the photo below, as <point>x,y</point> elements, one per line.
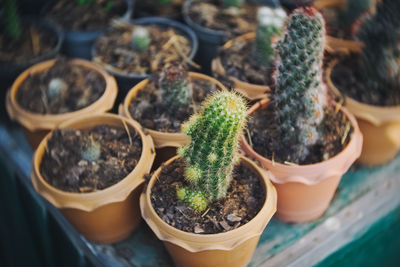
<point>370,82</point>
<point>209,204</point>
<point>298,134</point>
<point>243,62</point>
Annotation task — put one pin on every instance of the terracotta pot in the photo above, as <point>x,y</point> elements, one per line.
<point>305,191</point>
<point>232,248</point>
<point>108,215</point>
<point>380,126</point>
<point>162,139</point>
<point>35,125</point>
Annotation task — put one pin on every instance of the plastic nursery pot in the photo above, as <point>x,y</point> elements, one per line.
<point>36,125</point>
<point>379,125</point>
<point>78,44</point>
<point>305,191</point>
<point>232,248</point>
<point>162,139</point>
<point>108,215</point>
<point>126,81</point>
<point>9,71</point>
<point>250,91</point>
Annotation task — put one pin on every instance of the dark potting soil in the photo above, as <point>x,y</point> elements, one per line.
<point>233,22</point>
<point>265,138</point>
<point>70,163</point>
<point>114,50</point>
<point>170,9</point>
<point>92,16</point>
<point>348,78</point>
<point>82,87</point>
<point>34,42</point>
<point>239,62</point>
<point>244,200</point>
<point>150,111</point>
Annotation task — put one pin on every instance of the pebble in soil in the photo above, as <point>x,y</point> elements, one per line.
<point>244,199</point>
<point>90,160</point>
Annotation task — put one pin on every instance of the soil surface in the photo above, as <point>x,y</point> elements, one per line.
<point>171,9</point>
<point>244,200</point>
<point>239,62</point>
<point>265,138</point>
<point>149,109</point>
<point>234,22</point>
<point>34,42</point>
<point>349,80</point>
<point>114,50</point>
<point>72,161</point>
<point>81,87</point>
<point>92,16</point>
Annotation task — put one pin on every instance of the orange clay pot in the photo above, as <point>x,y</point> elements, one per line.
<point>108,215</point>
<point>36,126</point>
<point>380,127</point>
<point>162,139</point>
<point>305,191</point>
<point>233,248</point>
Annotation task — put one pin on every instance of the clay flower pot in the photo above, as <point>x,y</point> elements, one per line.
<point>379,125</point>
<point>108,215</point>
<point>232,248</point>
<point>35,125</point>
<point>305,191</point>
<point>250,91</point>
<point>162,139</point>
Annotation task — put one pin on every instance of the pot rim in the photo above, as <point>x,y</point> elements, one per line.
<point>37,121</point>
<point>219,241</point>
<point>118,191</point>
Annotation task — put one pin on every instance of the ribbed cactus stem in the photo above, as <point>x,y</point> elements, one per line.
<point>140,39</point>
<point>11,20</point>
<point>380,34</point>
<point>232,3</point>
<point>176,88</point>
<point>213,150</point>
<point>300,94</point>
<point>270,22</point>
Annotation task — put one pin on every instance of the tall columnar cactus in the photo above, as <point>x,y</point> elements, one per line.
<point>176,88</point>
<point>213,151</point>
<point>140,39</point>
<point>270,23</point>
<point>380,34</point>
<point>11,20</point>
<point>232,3</point>
<point>300,94</point>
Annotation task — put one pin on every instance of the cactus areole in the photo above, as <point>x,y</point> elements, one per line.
<point>213,151</point>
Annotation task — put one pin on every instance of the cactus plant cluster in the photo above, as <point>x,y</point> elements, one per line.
<point>140,39</point>
<point>176,88</point>
<point>12,24</point>
<point>380,33</point>
<point>299,97</point>
<point>270,23</point>
<point>213,150</point>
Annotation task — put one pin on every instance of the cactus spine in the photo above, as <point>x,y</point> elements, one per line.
<point>11,22</point>
<point>176,88</point>
<point>270,22</point>
<point>213,151</point>
<point>300,94</point>
<point>380,34</point>
<point>140,39</point>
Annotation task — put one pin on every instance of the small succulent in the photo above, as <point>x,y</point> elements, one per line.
<point>270,23</point>
<point>176,88</point>
<point>213,150</point>
<point>92,151</point>
<point>140,39</point>
<point>299,97</point>
<point>56,88</point>
<point>11,21</point>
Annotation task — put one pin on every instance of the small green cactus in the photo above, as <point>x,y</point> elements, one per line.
<point>92,151</point>
<point>299,97</point>
<point>176,88</point>
<point>56,88</point>
<point>380,34</point>
<point>195,199</point>
<point>270,23</point>
<point>11,20</point>
<point>232,3</point>
<point>213,150</point>
<point>140,39</point>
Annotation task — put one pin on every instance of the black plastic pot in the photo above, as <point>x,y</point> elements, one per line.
<point>127,81</point>
<point>78,44</point>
